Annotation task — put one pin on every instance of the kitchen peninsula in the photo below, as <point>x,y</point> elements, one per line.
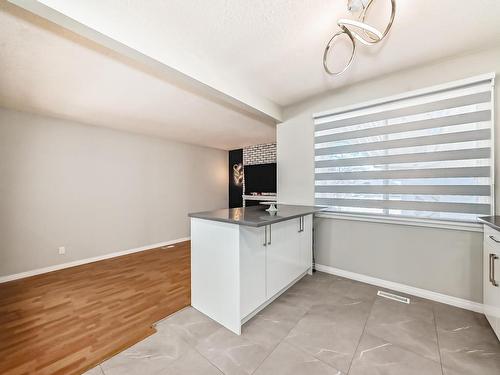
<point>244,258</point>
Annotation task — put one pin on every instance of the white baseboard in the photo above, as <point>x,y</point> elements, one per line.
<point>61,266</point>
<point>422,293</point>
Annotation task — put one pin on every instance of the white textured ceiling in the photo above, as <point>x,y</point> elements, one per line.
<point>271,49</point>
<point>44,69</point>
<point>275,47</point>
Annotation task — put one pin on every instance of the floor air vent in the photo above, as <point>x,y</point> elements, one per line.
<point>394,297</point>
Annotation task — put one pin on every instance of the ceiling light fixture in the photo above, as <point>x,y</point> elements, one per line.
<point>353,29</point>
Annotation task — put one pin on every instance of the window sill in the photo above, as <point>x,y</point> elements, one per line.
<point>453,225</point>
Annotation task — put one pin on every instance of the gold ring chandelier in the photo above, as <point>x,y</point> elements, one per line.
<point>357,30</point>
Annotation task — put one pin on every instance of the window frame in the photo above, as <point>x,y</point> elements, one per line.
<point>386,101</point>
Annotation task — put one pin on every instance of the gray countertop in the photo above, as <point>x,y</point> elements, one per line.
<point>491,221</point>
<point>256,216</point>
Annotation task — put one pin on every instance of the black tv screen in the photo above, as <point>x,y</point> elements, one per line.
<point>260,178</point>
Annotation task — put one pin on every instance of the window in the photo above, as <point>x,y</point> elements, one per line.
<point>425,154</point>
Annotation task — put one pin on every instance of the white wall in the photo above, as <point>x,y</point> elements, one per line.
<point>370,248</point>
<point>95,190</point>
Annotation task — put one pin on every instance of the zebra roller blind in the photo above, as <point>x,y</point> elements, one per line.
<point>426,154</point>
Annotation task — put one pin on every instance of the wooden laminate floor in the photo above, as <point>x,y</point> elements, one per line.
<point>67,321</point>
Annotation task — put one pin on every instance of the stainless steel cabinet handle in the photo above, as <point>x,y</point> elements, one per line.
<point>494,239</point>
<point>493,257</point>
<point>269,242</point>
<point>489,267</point>
<point>265,236</point>
<point>301,224</point>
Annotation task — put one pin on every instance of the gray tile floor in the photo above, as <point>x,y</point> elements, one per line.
<point>322,325</point>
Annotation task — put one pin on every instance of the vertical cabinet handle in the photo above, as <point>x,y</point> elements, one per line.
<point>265,236</point>
<point>269,242</point>
<point>301,224</point>
<point>493,257</point>
<point>489,268</point>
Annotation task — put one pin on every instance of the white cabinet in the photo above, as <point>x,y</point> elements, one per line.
<point>236,270</point>
<point>491,277</point>
<point>288,252</point>
<point>252,269</point>
<point>282,255</point>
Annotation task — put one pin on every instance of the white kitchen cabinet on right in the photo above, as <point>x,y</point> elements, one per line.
<point>491,277</point>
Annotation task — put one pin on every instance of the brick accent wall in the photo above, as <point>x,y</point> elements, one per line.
<point>259,154</point>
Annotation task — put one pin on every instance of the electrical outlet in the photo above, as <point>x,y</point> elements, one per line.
<point>62,250</point>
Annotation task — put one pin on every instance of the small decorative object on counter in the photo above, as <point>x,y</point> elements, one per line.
<point>272,208</point>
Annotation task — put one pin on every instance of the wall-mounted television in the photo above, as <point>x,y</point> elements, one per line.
<point>260,178</point>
